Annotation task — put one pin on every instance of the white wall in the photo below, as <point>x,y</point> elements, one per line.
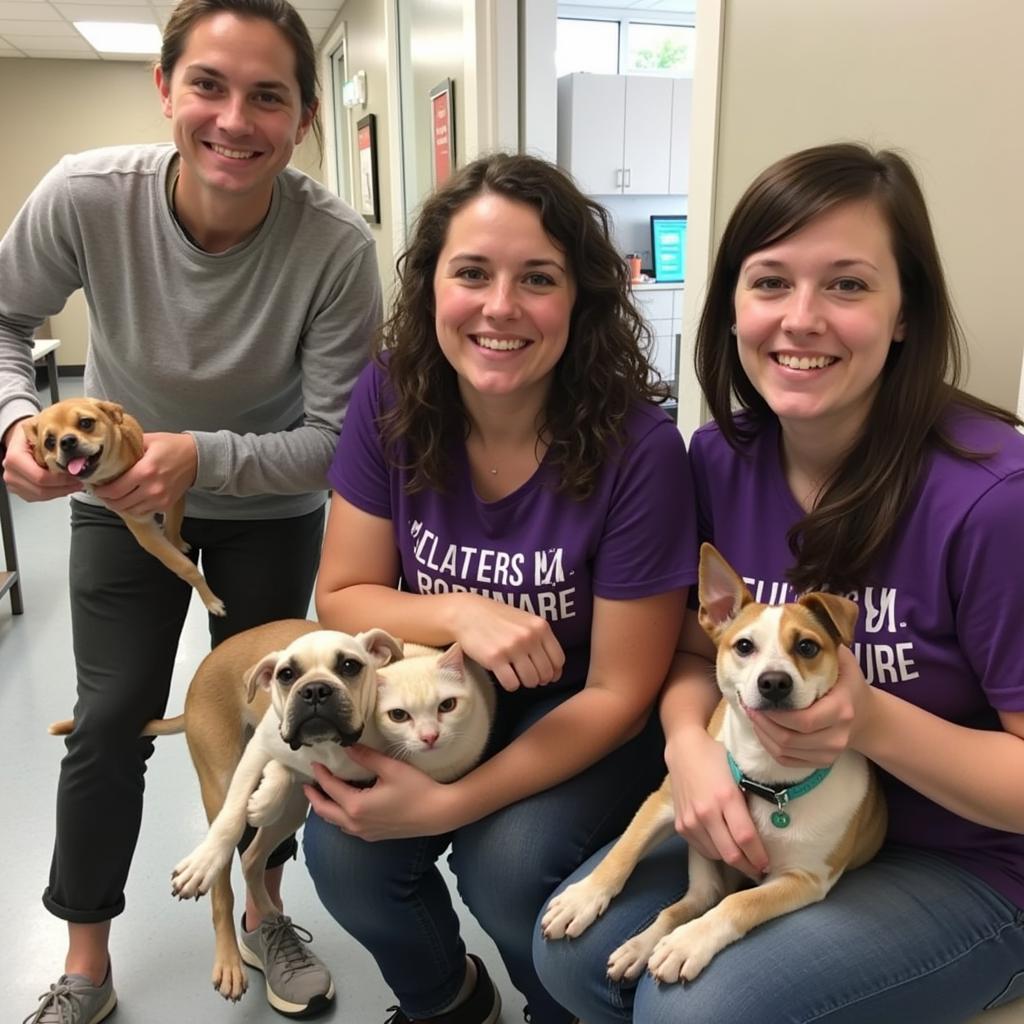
<point>939,79</point>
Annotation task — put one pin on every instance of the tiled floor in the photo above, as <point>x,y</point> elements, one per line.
<point>162,949</point>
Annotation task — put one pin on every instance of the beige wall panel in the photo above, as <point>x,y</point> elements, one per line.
<point>54,107</point>
<point>437,45</point>
<point>368,51</point>
<point>940,80</point>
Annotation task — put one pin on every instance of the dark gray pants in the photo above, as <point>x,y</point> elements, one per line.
<point>127,612</point>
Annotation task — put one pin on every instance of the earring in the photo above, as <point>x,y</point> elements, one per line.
<point>732,330</point>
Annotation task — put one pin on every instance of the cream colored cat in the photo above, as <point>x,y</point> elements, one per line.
<point>434,710</point>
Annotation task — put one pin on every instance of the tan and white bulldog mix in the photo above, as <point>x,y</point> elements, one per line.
<point>302,693</point>
<point>814,828</point>
<point>96,441</point>
<point>318,694</point>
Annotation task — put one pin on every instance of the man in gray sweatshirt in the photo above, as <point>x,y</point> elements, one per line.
<point>232,303</point>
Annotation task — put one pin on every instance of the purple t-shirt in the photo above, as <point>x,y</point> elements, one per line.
<point>941,621</point>
<point>535,549</point>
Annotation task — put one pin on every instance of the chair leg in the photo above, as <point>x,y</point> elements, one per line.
<point>51,373</point>
<point>10,550</point>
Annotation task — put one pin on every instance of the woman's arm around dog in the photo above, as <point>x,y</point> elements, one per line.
<point>711,811</point>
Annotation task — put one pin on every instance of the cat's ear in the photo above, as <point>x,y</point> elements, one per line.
<point>381,646</point>
<point>260,675</point>
<point>452,660</point>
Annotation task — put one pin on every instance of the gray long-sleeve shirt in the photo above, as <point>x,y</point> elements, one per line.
<point>253,351</point>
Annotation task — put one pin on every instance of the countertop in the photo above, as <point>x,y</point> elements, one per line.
<point>655,286</point>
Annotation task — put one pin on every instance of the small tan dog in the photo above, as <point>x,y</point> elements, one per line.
<point>96,441</point>
<point>769,658</point>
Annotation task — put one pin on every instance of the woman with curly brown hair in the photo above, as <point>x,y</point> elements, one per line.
<point>504,461</point>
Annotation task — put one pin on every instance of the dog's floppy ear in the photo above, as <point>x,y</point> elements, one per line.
<point>260,675</point>
<point>722,593</point>
<point>31,429</point>
<point>382,646</point>
<point>128,427</point>
<point>837,614</point>
<point>112,409</point>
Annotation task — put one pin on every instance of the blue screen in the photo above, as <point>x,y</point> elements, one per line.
<point>668,243</point>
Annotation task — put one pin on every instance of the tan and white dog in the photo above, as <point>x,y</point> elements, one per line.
<point>324,695</point>
<point>96,441</point>
<point>814,828</point>
<point>309,693</point>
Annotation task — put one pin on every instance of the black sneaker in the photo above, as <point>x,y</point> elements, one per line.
<point>482,1007</point>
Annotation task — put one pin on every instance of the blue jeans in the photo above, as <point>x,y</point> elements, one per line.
<point>909,938</point>
<point>391,897</point>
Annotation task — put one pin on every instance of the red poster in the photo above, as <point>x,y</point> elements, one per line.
<point>442,133</point>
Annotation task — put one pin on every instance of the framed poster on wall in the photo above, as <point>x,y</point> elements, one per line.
<point>442,131</point>
<point>369,193</point>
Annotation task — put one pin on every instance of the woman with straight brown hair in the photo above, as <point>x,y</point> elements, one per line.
<point>844,456</point>
<point>232,303</point>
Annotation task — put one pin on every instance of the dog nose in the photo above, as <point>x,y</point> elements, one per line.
<point>315,693</point>
<point>68,443</point>
<point>775,686</point>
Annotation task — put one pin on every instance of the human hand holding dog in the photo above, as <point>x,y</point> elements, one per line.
<point>711,810</point>
<point>165,472</point>
<point>814,737</point>
<point>518,647</point>
<point>25,477</point>
<point>404,802</point>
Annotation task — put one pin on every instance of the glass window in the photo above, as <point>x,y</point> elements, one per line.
<point>660,49</point>
<point>584,45</point>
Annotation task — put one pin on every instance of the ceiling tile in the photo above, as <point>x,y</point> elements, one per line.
<point>66,44</point>
<point>318,20</point>
<point>47,29</point>
<point>37,28</point>
<point>18,10</point>
<point>61,54</point>
<point>104,12</point>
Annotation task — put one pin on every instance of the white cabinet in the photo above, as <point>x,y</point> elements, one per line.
<point>679,136</point>
<point>616,132</point>
<point>662,308</point>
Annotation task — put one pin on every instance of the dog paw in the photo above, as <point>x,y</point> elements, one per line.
<point>229,980</point>
<point>193,876</point>
<point>572,912</point>
<point>630,959</point>
<point>684,953</point>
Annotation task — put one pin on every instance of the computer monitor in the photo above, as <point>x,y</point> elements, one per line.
<point>668,247</point>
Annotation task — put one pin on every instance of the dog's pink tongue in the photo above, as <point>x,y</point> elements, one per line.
<point>75,466</point>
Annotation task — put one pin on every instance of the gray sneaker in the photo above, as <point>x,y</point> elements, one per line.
<point>75,1000</point>
<point>298,984</point>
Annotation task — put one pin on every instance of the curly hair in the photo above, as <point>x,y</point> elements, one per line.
<point>605,367</point>
<point>859,507</point>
